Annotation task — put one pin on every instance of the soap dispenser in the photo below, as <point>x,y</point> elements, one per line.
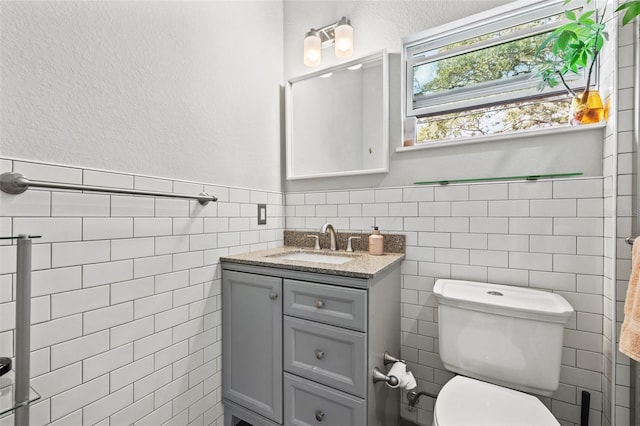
<point>376,242</point>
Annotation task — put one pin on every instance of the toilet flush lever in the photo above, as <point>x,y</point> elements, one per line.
<point>414,396</point>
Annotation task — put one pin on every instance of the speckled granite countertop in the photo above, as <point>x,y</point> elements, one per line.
<point>363,264</point>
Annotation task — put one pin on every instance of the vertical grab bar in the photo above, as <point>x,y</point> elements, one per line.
<point>23,330</point>
<point>21,388</point>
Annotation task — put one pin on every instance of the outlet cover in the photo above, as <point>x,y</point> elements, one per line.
<point>262,214</point>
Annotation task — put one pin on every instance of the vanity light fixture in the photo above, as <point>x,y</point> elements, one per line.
<point>338,34</point>
<point>343,38</point>
<point>312,48</point>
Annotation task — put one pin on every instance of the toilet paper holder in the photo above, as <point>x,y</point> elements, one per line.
<point>379,376</point>
<point>387,358</point>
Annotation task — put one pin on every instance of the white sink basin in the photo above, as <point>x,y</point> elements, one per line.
<point>303,256</point>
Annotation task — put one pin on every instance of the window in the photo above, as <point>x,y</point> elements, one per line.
<point>477,76</point>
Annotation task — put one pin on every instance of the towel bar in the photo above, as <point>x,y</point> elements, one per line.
<point>15,183</point>
<point>630,240</point>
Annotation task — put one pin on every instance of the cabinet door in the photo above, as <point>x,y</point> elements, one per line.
<point>252,342</point>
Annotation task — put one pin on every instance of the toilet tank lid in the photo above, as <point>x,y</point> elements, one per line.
<point>509,298</point>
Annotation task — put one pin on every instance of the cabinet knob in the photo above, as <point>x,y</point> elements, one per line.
<point>273,295</point>
<point>319,354</point>
<point>319,304</point>
<point>319,415</point>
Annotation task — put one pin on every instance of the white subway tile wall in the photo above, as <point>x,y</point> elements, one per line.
<point>622,222</point>
<point>126,294</point>
<point>126,288</point>
<point>530,234</point>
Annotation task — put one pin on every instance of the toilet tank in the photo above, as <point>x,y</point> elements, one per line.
<point>507,335</point>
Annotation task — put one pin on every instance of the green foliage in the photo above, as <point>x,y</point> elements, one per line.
<point>571,48</point>
<point>576,45</point>
<point>632,10</point>
<point>498,62</point>
<point>492,120</point>
<point>501,61</point>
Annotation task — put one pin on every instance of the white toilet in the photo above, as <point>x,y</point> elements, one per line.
<point>498,338</point>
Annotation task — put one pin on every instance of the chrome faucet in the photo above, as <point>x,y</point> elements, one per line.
<point>332,235</point>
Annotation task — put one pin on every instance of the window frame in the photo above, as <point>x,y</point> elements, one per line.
<point>496,19</point>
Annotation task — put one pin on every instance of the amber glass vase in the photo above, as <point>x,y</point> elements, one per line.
<point>586,111</point>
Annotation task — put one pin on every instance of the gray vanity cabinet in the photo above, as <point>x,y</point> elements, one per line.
<point>252,342</point>
<point>299,347</point>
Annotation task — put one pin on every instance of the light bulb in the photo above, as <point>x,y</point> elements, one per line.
<point>312,49</point>
<point>344,38</point>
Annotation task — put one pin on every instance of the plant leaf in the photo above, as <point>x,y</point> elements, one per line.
<point>585,16</point>
<point>633,10</point>
<point>599,43</point>
<point>584,58</point>
<point>570,15</point>
<point>564,39</point>
<point>544,44</point>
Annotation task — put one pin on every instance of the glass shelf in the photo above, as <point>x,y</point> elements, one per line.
<point>7,403</point>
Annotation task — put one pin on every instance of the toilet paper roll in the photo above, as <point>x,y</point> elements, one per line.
<point>410,382</point>
<point>399,371</point>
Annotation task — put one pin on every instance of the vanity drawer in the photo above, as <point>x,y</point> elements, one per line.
<point>310,404</point>
<point>329,355</point>
<point>345,307</point>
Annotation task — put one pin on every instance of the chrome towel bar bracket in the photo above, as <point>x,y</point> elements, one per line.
<point>15,183</point>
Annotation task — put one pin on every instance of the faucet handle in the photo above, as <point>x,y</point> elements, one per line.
<point>317,245</point>
<point>349,247</point>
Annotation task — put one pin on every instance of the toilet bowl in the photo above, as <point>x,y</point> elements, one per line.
<point>469,402</point>
<point>504,342</point>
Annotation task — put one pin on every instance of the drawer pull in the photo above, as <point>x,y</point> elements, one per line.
<point>319,354</point>
<point>273,295</point>
<point>319,415</point>
<point>319,304</point>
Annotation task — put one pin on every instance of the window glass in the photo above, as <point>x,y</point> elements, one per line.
<point>479,77</point>
<point>503,118</point>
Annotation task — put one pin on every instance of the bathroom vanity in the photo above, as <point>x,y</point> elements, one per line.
<point>301,337</point>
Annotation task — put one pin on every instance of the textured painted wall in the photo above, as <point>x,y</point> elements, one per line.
<point>186,90</point>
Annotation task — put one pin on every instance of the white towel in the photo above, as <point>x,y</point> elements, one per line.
<point>630,332</point>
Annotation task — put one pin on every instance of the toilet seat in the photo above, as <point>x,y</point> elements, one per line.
<point>469,402</point>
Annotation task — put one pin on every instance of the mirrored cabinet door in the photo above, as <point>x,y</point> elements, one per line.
<point>337,120</point>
